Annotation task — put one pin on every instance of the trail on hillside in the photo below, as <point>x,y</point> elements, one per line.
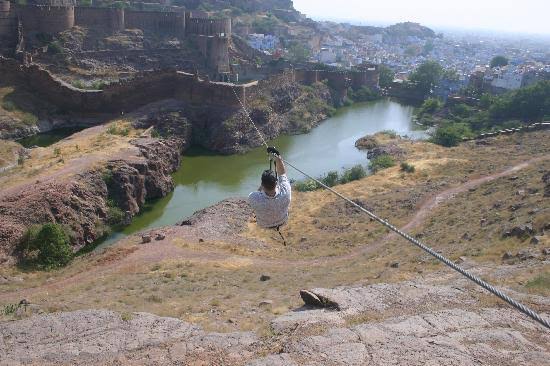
<point>163,250</point>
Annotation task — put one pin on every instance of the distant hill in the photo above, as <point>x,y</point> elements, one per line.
<point>409,29</point>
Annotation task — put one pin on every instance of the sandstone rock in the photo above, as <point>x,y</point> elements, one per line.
<point>391,149</point>
<point>264,278</point>
<point>520,231</point>
<point>266,304</point>
<point>146,238</point>
<point>366,143</point>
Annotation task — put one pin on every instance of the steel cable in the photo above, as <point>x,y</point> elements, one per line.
<point>517,305</point>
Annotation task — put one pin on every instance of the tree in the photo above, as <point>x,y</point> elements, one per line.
<point>427,75</point>
<point>51,243</point>
<point>499,61</point>
<point>386,76</point>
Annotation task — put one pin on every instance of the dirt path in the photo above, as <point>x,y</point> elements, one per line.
<point>159,251</point>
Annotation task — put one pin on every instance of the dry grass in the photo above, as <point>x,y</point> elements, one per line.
<point>73,154</point>
<point>222,290</point>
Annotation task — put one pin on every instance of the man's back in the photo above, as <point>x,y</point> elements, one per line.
<point>272,211</point>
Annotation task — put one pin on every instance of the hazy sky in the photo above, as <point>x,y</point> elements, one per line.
<point>525,16</point>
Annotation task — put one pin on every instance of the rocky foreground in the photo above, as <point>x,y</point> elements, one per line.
<point>408,323</point>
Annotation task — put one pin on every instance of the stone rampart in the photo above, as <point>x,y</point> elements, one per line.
<point>108,19</point>
<point>208,27</point>
<point>126,95</point>
<point>156,21</point>
<point>46,19</point>
<point>8,24</point>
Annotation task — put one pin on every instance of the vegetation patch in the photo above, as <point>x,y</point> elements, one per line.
<point>540,284</point>
<point>381,162</point>
<point>47,246</point>
<point>332,179</point>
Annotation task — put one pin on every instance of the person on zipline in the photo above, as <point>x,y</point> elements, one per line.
<point>271,201</point>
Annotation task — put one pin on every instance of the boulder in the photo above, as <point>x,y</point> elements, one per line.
<point>146,238</point>
<point>264,278</point>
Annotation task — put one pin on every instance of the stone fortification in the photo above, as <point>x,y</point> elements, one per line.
<point>8,24</point>
<point>108,19</point>
<point>45,18</point>
<point>123,96</point>
<point>340,80</point>
<point>156,21</point>
<point>208,27</point>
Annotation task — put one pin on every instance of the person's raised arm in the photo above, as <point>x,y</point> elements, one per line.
<point>281,169</point>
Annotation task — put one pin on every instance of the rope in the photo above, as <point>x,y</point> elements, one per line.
<point>517,305</point>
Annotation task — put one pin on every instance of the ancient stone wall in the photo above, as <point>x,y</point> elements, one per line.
<point>215,51</point>
<point>156,21</point>
<point>125,95</point>
<point>107,19</point>
<point>8,25</point>
<point>208,27</point>
<point>46,19</point>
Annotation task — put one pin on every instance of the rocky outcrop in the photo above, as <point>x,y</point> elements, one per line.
<point>279,106</point>
<point>80,203</point>
<point>408,323</point>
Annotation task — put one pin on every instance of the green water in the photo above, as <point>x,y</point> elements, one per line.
<point>205,178</point>
<point>47,138</point>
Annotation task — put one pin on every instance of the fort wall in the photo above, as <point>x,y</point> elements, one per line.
<point>108,19</point>
<point>215,51</point>
<point>126,95</point>
<point>8,24</point>
<point>208,27</point>
<point>156,21</point>
<point>46,19</point>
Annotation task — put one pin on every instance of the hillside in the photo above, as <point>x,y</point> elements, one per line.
<point>483,204</point>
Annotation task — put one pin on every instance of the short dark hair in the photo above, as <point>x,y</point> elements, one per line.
<point>269,179</point>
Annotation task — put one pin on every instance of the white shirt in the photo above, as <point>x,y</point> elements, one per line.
<point>272,211</point>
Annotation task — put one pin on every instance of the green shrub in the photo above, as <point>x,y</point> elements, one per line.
<point>407,168</point>
<point>429,106</point>
<point>461,110</point>
<point>306,186</point>
<point>51,244</point>
<point>116,129</point>
<point>331,179</point>
<point>355,173</point>
<point>381,162</point>
<point>115,216</point>
<point>8,105</point>
<point>450,135</point>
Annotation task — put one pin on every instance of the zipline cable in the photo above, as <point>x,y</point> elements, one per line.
<point>517,305</point>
